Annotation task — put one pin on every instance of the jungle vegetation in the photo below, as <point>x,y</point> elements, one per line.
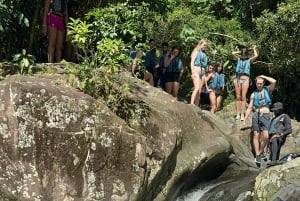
<point>105,31</point>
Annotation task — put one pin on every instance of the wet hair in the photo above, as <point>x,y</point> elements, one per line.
<point>258,77</point>
<point>244,52</point>
<point>175,48</point>
<point>216,67</point>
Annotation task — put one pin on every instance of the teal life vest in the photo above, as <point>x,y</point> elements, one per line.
<point>262,98</point>
<point>274,121</point>
<point>243,66</point>
<point>175,66</point>
<point>201,59</point>
<point>217,82</point>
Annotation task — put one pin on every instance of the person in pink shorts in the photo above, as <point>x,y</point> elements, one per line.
<point>54,20</point>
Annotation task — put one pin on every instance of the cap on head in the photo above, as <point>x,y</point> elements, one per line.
<point>277,106</point>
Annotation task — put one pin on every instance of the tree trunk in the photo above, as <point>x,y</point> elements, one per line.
<point>34,22</point>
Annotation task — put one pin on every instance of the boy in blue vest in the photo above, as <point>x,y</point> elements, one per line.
<point>279,129</point>
<point>260,101</point>
<point>151,61</point>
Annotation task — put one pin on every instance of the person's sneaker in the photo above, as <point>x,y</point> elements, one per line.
<point>271,163</point>
<point>257,159</point>
<point>237,117</point>
<point>242,117</point>
<point>264,156</point>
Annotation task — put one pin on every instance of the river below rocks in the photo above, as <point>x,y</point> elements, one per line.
<point>226,187</point>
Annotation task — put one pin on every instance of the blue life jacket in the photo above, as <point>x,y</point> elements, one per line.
<point>175,66</point>
<point>274,123</point>
<point>162,61</point>
<point>243,66</point>
<point>201,59</point>
<point>151,60</point>
<point>217,82</point>
<point>262,98</point>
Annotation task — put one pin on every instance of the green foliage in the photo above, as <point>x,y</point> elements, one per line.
<point>13,24</point>
<point>279,38</point>
<point>224,36</point>
<point>24,61</point>
<point>79,31</point>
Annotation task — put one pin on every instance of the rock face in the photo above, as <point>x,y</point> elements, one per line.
<point>281,182</point>
<point>60,144</point>
<point>57,143</point>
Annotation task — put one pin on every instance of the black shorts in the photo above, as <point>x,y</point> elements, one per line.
<point>172,77</point>
<point>260,121</point>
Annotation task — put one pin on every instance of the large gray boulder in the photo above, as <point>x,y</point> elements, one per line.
<point>57,143</point>
<point>281,182</point>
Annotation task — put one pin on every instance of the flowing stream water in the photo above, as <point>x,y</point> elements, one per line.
<point>227,187</point>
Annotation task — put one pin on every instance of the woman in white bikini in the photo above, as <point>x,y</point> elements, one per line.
<point>241,82</point>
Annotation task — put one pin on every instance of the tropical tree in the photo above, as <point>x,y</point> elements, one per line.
<point>279,35</point>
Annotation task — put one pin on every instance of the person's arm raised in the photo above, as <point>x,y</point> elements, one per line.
<point>271,80</point>
<point>236,54</point>
<point>255,53</point>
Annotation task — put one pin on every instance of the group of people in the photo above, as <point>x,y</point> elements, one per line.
<point>55,18</point>
<point>211,81</point>
<point>273,132</point>
<point>165,71</point>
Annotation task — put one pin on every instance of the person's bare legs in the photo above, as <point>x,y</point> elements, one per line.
<point>213,101</point>
<point>60,37</point>
<point>219,100</point>
<point>168,87</point>
<point>265,140</point>
<point>149,78</point>
<point>195,98</point>
<point>52,33</point>
<point>256,143</point>
<point>175,88</point>
<point>245,87</point>
<point>237,87</point>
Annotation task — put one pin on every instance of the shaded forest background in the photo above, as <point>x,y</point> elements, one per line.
<point>104,32</point>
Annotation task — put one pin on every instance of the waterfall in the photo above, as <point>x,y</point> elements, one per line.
<point>198,193</point>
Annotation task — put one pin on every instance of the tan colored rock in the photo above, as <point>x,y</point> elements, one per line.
<point>275,179</point>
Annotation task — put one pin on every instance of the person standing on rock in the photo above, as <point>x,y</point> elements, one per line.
<point>280,128</point>
<point>260,101</point>
<point>199,61</point>
<point>151,61</point>
<point>54,20</point>
<point>242,80</point>
<point>174,71</point>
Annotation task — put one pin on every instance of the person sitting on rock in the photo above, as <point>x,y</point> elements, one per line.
<point>280,128</point>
